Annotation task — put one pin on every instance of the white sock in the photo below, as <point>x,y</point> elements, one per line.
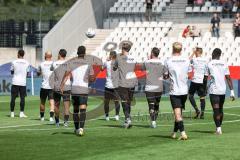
<point>183,133</point>
<point>219,129</point>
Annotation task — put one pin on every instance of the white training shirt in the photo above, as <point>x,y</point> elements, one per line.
<point>199,65</point>
<point>217,70</point>
<point>45,69</point>
<point>178,68</point>
<point>20,68</point>
<point>60,67</point>
<point>112,77</point>
<point>81,70</point>
<point>155,70</point>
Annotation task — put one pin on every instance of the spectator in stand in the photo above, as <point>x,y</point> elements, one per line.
<point>190,2</point>
<point>148,14</point>
<point>215,3</point>
<point>227,8</point>
<point>236,25</point>
<point>186,32</point>
<point>199,2</point>
<point>215,21</point>
<point>195,32</point>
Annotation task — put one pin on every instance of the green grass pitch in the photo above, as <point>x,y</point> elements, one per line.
<point>30,139</point>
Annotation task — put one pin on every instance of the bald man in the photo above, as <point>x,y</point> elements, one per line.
<point>44,70</point>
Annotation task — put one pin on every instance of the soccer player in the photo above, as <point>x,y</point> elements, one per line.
<point>44,69</point>
<point>178,69</point>
<point>19,70</point>
<point>111,86</point>
<point>81,72</point>
<point>125,63</point>
<point>59,68</point>
<point>199,64</point>
<point>154,84</point>
<point>218,71</point>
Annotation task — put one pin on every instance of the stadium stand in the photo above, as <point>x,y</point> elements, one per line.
<point>146,35</point>
<point>137,6</point>
<point>209,7</point>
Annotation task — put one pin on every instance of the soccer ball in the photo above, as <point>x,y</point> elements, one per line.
<point>90,33</point>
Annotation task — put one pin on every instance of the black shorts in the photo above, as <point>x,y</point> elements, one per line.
<point>111,94</point>
<point>46,93</point>
<point>126,94</point>
<point>178,101</point>
<point>153,97</point>
<point>217,99</point>
<point>78,100</point>
<point>57,96</point>
<point>199,88</point>
<point>18,91</point>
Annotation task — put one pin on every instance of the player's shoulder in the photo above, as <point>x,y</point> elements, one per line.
<point>157,60</point>
<point>216,62</point>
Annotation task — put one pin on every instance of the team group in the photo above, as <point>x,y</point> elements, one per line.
<point>70,80</point>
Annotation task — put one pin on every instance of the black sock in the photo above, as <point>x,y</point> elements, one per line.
<point>22,104</point>
<point>76,120</point>
<point>126,110</point>
<point>57,119</point>
<point>151,111</point>
<point>217,117</point>
<point>117,107</point>
<point>193,102</point>
<point>106,107</point>
<point>41,114</point>
<point>221,116</point>
<point>175,127</point>
<point>82,117</point>
<point>12,103</point>
<point>51,114</point>
<point>203,104</point>
<point>181,126</point>
<point>156,108</point>
<point>66,118</point>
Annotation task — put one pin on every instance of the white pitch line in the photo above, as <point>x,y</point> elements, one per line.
<point>92,128</point>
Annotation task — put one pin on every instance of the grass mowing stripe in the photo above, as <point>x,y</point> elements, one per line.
<point>93,128</point>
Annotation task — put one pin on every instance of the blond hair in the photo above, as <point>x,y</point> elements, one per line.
<point>177,47</point>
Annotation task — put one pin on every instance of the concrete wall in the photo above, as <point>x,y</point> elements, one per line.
<point>10,54</point>
<point>69,32</point>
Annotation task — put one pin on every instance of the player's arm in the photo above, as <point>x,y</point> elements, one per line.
<point>230,85</point>
<point>39,71</point>
<point>229,82</point>
<point>165,71</point>
<point>115,65</point>
<point>205,80</point>
<point>190,70</point>
<point>12,69</point>
<point>92,76</point>
<point>103,66</point>
<point>64,80</point>
<point>29,70</point>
